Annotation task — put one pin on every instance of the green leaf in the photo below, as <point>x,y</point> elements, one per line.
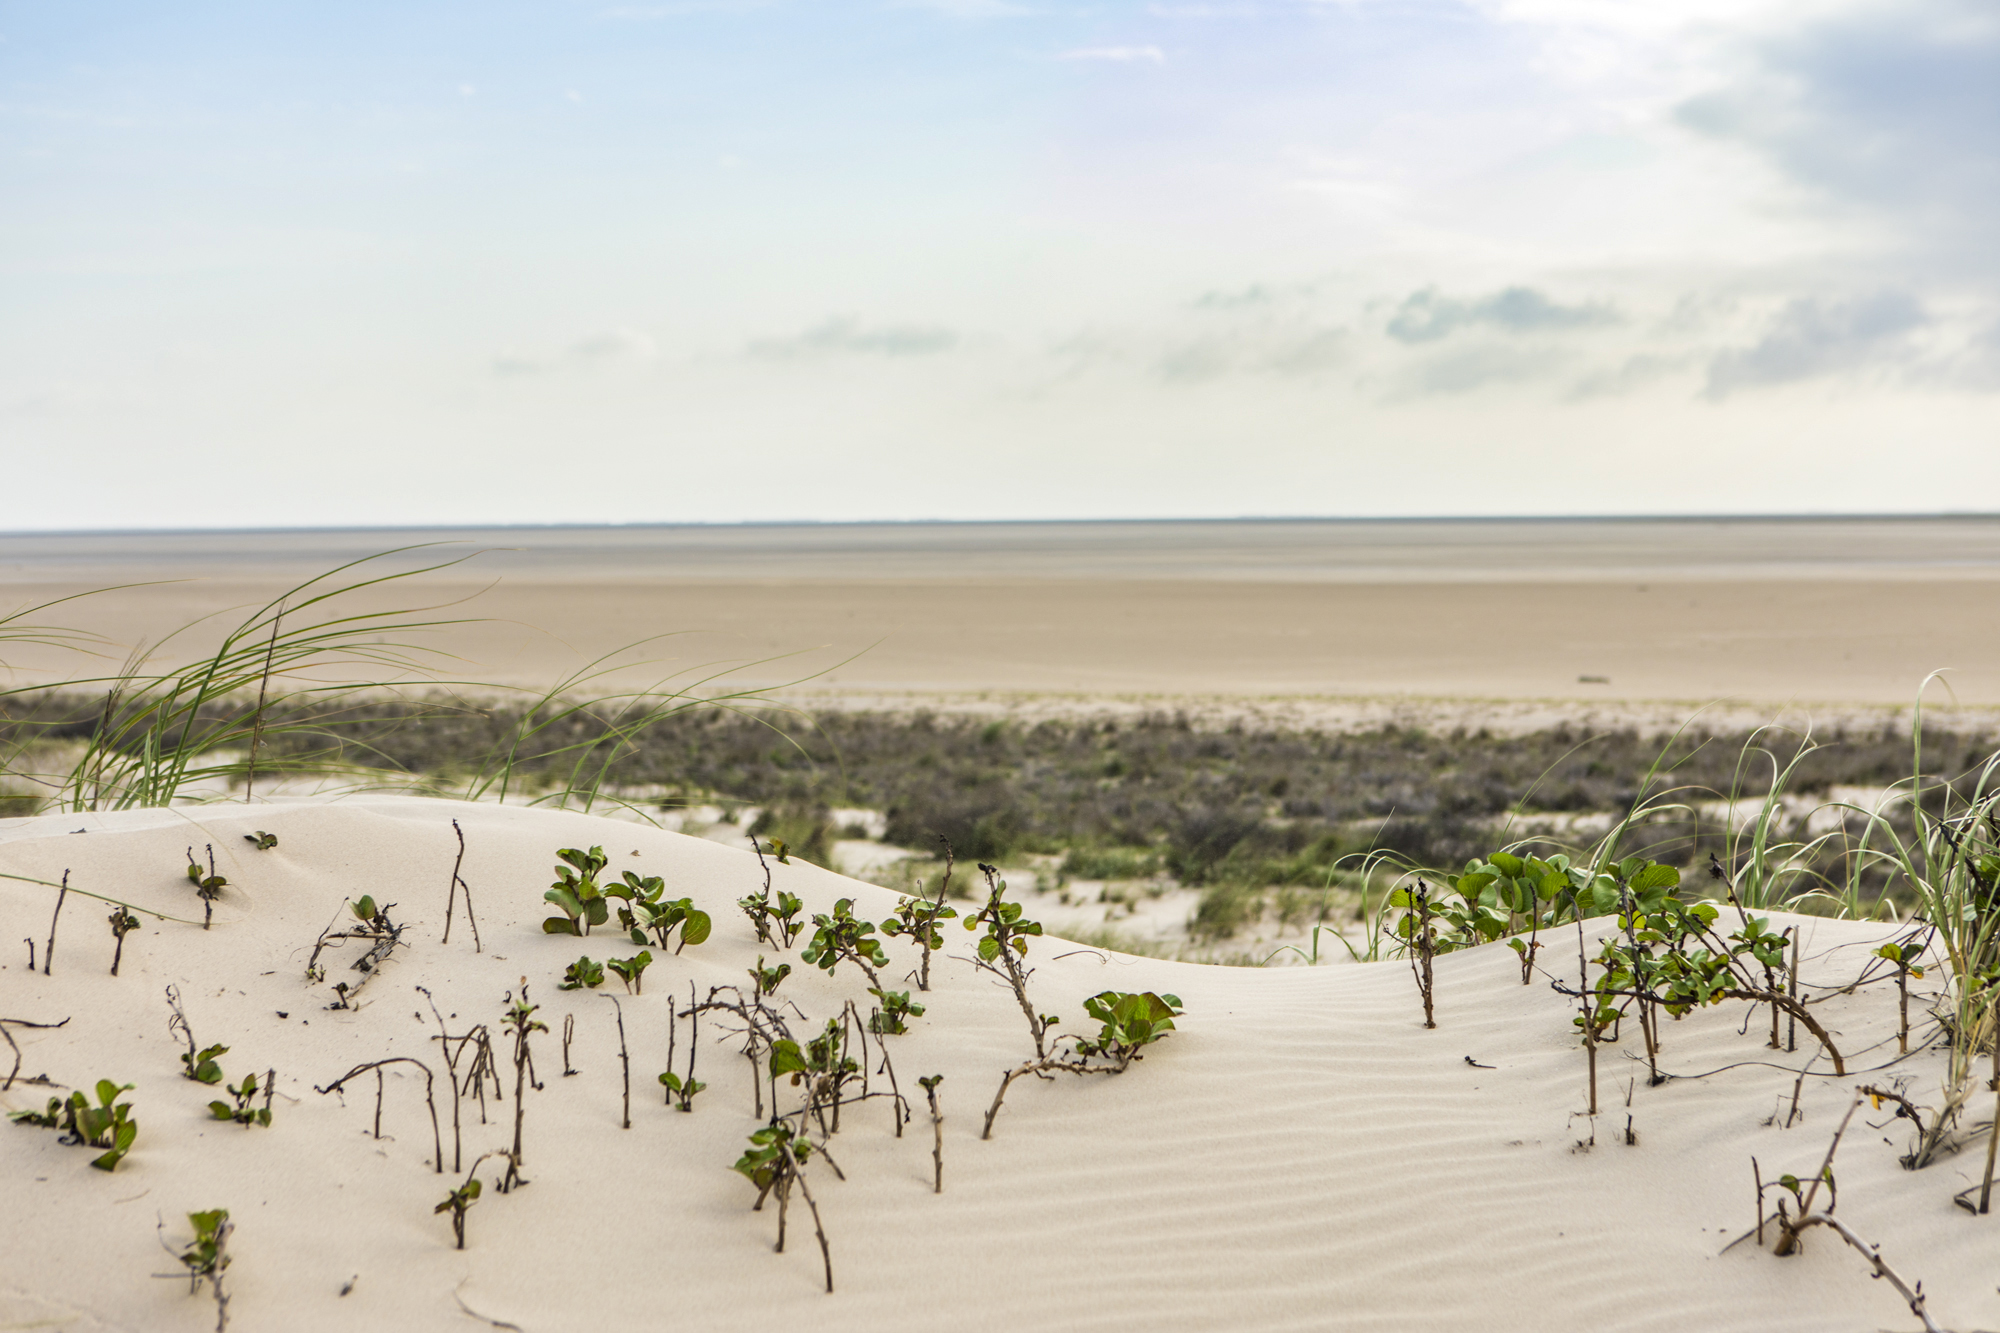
<point>1655,876</point>
<point>786,1058</point>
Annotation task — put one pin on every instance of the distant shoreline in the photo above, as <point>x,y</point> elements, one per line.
<point>1859,516</point>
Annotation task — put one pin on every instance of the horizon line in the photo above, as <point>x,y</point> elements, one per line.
<point>1831,516</point>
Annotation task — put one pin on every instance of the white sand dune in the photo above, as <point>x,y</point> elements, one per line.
<point>1300,1154</point>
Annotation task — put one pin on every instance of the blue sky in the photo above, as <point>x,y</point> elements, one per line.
<point>719,260</point>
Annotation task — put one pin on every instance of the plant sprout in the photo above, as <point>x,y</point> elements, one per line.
<point>632,971</point>
<point>208,1257</point>
<point>576,892</point>
<point>107,1125</point>
<point>242,1112</point>
<point>207,887</point>
<point>843,936</point>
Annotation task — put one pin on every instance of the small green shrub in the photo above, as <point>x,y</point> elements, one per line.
<point>769,978</point>
<point>632,970</point>
<point>896,1009</point>
<point>1110,863</point>
<point>757,906</point>
<point>842,935</point>
<point>645,911</point>
<point>242,1112</point>
<point>1130,1023</point>
<point>208,1257</point>
<point>458,1203</point>
<point>108,1124</point>
<point>774,1163</point>
<point>583,972</point>
<point>683,1088</point>
<point>201,1066</point>
<point>261,840</point>
<point>918,918</point>
<point>576,893</point>
<point>208,887</point>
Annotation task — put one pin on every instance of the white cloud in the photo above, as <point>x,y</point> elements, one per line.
<point>845,336</point>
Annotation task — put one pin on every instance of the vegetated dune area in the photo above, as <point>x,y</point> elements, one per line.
<point>371,1023</point>
<point>1299,1151</point>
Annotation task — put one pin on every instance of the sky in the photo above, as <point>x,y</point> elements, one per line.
<point>723,260</point>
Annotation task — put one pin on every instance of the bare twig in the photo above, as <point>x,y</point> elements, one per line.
<point>437,1136</point>
<point>49,954</point>
<point>930,1086</point>
<point>5,1023</point>
<point>451,900</point>
<point>1873,1253</point>
<point>624,1057</point>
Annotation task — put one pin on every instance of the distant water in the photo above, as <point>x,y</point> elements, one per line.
<point>1330,551</point>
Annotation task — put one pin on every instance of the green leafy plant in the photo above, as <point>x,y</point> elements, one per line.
<point>768,979</point>
<point>459,1202</point>
<point>208,887</point>
<point>777,924</point>
<point>1002,947</point>
<point>207,1258</point>
<point>1418,929</point>
<point>632,971</point>
<point>1131,1022</point>
<point>198,1065</point>
<point>1902,955</point>
<point>202,1066</point>
<point>841,936</point>
<point>684,1087</point>
<point>583,972</point>
<point>108,1124</point>
<point>891,1019</point>
<point>774,1162</point>
<point>822,1066</point>
<point>576,893</point>
<point>918,919</point>
<point>242,1112</point>
<point>261,840</point>
<point>646,911</point>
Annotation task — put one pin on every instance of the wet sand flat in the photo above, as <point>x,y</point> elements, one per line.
<point>1855,611</point>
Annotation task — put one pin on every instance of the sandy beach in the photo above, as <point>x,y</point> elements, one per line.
<point>1353,616</point>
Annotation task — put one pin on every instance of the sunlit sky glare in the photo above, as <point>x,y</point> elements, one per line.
<point>378,263</point>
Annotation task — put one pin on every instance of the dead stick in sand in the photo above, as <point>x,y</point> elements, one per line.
<point>451,901</point>
<point>49,954</point>
<point>624,1057</point>
<point>1873,1253</point>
